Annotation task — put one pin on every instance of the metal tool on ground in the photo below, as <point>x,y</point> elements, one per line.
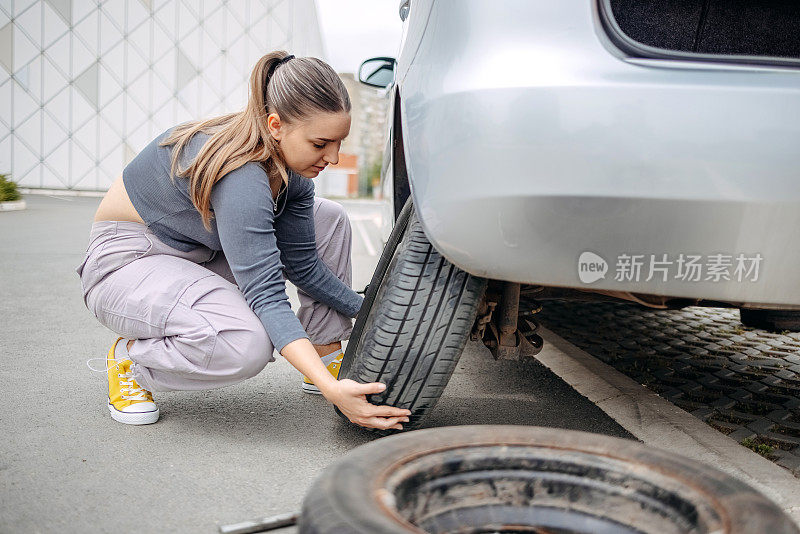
<point>261,525</point>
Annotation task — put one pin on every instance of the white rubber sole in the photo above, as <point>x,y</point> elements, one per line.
<point>311,388</point>
<point>134,418</point>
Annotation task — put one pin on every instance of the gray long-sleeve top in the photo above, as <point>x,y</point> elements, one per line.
<point>260,239</point>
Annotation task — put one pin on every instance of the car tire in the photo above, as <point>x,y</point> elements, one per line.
<point>417,314</point>
<point>772,320</point>
<point>528,479</point>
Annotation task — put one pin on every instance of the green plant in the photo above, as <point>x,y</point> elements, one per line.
<point>762,449</point>
<point>8,189</point>
<point>369,177</point>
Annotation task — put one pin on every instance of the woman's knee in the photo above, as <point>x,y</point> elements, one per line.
<point>242,353</point>
<point>334,237</point>
<point>331,217</point>
<point>241,347</point>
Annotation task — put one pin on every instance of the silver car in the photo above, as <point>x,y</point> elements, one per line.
<point>646,150</point>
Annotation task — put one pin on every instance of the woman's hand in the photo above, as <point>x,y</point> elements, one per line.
<point>350,397</point>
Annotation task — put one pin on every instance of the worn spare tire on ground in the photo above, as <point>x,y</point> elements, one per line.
<point>772,320</point>
<point>417,314</point>
<point>474,479</point>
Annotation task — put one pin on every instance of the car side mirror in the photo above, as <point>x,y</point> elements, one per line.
<point>377,72</point>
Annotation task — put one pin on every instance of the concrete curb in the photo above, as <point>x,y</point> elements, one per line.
<point>61,192</point>
<point>12,205</point>
<point>659,423</point>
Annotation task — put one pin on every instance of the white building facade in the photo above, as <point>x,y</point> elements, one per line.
<point>85,85</point>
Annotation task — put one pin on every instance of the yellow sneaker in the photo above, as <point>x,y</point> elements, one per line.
<point>127,401</point>
<point>333,362</point>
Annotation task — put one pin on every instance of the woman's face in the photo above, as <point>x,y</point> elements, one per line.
<point>311,144</point>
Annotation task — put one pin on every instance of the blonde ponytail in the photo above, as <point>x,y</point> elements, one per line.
<point>293,90</point>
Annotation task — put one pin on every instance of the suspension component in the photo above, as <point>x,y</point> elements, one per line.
<point>505,323</point>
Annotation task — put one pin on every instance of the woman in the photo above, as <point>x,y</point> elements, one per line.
<point>189,248</point>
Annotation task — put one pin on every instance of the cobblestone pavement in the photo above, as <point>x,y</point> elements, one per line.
<point>742,381</point>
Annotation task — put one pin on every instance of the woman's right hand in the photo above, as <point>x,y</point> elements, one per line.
<point>351,399</point>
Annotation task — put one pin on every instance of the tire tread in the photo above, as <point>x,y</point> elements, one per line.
<point>416,325</point>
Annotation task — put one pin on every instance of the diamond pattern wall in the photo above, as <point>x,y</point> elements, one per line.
<point>86,84</point>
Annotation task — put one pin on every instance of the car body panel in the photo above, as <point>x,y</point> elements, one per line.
<point>530,141</point>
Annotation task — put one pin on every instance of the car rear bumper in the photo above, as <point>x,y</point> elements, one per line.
<point>723,251</point>
<point>517,173</point>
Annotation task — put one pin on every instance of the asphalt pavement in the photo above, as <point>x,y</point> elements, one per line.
<point>215,457</point>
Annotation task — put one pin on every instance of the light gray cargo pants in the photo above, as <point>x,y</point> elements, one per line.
<point>191,324</point>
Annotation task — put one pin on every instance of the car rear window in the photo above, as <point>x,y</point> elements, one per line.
<point>750,31</point>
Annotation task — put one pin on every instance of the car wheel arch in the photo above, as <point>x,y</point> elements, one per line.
<point>401,188</point>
